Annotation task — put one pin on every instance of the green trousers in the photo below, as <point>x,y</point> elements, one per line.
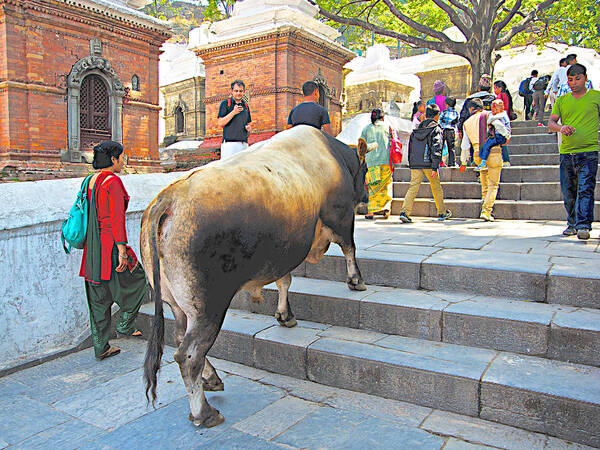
<point>126,289</point>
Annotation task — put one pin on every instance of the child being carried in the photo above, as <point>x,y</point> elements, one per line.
<point>502,131</point>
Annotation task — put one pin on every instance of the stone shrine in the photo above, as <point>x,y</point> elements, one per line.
<point>274,46</point>
<point>74,73</point>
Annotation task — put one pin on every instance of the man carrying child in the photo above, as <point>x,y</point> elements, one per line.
<point>499,123</point>
<point>474,134</point>
<point>424,156</point>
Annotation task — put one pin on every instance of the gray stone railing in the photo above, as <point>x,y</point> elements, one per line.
<point>43,309</point>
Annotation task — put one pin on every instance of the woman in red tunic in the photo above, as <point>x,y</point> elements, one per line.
<point>110,268</point>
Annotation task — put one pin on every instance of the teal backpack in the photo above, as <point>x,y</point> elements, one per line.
<point>74,228</point>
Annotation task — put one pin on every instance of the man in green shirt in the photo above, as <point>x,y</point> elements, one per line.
<point>579,112</point>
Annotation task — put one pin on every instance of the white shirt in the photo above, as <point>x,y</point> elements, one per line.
<point>559,77</point>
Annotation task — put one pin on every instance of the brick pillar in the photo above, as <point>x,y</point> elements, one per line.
<point>273,64</point>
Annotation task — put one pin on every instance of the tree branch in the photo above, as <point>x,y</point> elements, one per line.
<point>522,24</point>
<point>468,11</point>
<point>415,25</point>
<point>454,17</point>
<point>499,26</point>
<point>447,46</point>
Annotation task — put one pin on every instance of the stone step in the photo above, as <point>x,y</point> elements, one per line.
<point>532,149</point>
<point>528,129</point>
<point>557,398</point>
<point>538,277</point>
<point>534,139</point>
<point>541,191</point>
<point>535,160</point>
<point>503,209</point>
<point>537,329</point>
<point>513,174</point>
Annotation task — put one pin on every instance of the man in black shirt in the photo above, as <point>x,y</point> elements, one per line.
<point>309,112</point>
<point>234,117</point>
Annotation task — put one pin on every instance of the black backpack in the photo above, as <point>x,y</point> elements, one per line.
<point>541,84</point>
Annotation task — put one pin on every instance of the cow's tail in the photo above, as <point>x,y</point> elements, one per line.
<point>156,341</point>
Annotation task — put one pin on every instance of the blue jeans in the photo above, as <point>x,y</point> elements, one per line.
<point>484,151</point>
<point>577,183</point>
<point>505,157</point>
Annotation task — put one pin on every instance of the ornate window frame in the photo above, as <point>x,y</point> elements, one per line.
<point>93,64</point>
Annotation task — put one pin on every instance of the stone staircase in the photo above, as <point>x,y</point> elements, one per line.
<point>529,189</point>
<point>511,338</point>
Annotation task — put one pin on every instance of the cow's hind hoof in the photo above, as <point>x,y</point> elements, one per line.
<point>209,422</point>
<point>290,322</point>
<point>356,285</point>
<point>214,384</point>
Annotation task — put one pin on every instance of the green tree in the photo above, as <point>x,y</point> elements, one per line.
<point>488,25</point>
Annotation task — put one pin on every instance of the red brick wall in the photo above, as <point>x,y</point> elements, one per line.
<point>273,68</point>
<point>39,43</point>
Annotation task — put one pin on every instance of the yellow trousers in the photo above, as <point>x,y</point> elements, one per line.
<point>490,179</point>
<point>416,178</point>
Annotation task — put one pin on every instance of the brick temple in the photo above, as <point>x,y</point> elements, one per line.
<point>74,73</point>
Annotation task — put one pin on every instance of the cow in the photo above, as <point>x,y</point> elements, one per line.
<point>242,223</point>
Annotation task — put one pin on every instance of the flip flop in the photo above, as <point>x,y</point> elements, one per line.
<point>112,351</point>
<point>136,334</point>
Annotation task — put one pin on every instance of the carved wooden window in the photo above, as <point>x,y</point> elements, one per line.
<point>94,112</point>
<point>179,120</point>
<point>322,98</point>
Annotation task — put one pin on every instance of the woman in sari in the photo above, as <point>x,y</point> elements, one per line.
<point>109,266</point>
<point>379,175</point>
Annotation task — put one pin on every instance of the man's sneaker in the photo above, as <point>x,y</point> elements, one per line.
<point>487,217</point>
<point>446,215</point>
<point>541,125</point>
<point>506,164</point>
<point>404,218</point>
<point>583,234</point>
<point>569,231</point>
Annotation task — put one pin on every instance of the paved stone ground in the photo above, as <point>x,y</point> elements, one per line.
<point>426,236</point>
<point>78,402</point>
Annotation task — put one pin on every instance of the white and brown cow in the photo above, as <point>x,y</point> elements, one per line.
<point>242,223</point>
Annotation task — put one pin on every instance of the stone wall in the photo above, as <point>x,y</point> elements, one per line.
<point>43,307</point>
<point>457,79</point>
<point>366,96</point>
<point>189,95</point>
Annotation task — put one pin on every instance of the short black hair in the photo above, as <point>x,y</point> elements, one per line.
<point>570,57</point>
<point>103,153</point>
<point>431,111</point>
<point>576,69</point>
<point>562,61</point>
<point>450,101</point>
<point>534,73</point>
<point>309,87</point>
<point>476,103</point>
<point>239,83</point>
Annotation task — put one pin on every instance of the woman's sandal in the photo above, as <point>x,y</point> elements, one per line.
<point>384,212</point>
<point>369,216</point>
<point>112,351</point>
<point>135,334</point>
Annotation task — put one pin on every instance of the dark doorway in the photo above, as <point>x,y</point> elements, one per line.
<point>94,110</point>
<point>179,125</point>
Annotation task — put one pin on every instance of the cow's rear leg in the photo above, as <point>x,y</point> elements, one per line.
<point>354,280</point>
<point>210,379</point>
<point>191,357</point>
<point>284,313</point>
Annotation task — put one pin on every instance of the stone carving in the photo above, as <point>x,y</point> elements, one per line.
<point>95,47</point>
<point>85,65</point>
<point>321,81</point>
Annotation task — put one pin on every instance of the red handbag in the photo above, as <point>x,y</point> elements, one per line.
<point>395,149</point>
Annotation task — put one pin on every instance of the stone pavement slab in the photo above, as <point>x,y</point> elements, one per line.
<point>262,411</point>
